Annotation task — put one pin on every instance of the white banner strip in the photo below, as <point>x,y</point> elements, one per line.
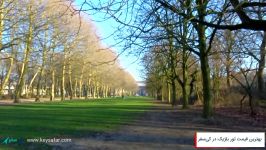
<point>229,139</point>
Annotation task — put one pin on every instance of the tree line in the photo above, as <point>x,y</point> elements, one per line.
<point>202,49</point>
<point>47,49</point>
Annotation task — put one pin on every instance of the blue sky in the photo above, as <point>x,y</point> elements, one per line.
<point>106,28</point>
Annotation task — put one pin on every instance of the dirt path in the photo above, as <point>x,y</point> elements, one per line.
<point>161,128</point>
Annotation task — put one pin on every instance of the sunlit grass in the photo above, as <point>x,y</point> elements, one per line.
<point>70,118</point>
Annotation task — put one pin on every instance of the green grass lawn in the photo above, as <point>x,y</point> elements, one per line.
<point>70,118</point>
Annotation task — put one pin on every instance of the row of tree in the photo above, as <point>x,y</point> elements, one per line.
<point>196,44</point>
<point>47,49</point>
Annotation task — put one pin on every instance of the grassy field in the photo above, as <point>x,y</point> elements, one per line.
<point>68,119</point>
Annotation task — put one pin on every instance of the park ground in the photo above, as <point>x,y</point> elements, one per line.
<point>116,124</point>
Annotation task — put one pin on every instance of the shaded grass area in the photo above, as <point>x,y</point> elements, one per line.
<point>70,118</point>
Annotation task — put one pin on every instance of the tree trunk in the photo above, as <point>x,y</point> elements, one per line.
<point>105,91</point>
<point>207,98</point>
<point>227,68</point>
<point>185,83</point>
<point>27,52</point>
<point>3,84</point>
<point>75,88</point>
<point>228,78</point>
<point>122,94</point>
<point>229,40</point>
<point>163,90</point>
<point>260,77</point>
<point>192,84</point>
<point>37,98</point>
<point>97,90</point>
<point>29,87</point>
<point>2,9</point>
<point>241,103</point>
<point>251,105</point>
<point>6,79</point>
<point>185,96</point>
<point>80,89</point>
<point>62,89</point>
<point>173,92</point>
<point>204,62</point>
<point>85,91</point>
<point>169,93</point>
<point>52,91</point>
<point>90,90</point>
<point>94,91</point>
<point>70,82</point>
